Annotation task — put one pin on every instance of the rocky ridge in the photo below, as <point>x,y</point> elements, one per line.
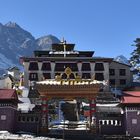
<point>16,42</point>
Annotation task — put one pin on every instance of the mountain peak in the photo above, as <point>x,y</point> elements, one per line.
<point>19,42</point>
<point>12,25</point>
<point>122,59</point>
<point>45,42</point>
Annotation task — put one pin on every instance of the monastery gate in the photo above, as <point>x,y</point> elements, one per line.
<point>67,89</point>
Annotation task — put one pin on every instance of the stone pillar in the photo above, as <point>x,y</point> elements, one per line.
<point>44,119</point>
<point>106,71</point>
<point>92,65</point>
<point>26,73</point>
<point>40,75</point>
<point>79,64</point>
<point>106,75</point>
<point>52,70</point>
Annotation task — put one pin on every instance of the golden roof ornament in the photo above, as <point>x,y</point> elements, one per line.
<point>68,71</point>
<point>78,78</point>
<point>58,77</point>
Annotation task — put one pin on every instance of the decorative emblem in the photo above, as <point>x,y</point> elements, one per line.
<point>68,71</point>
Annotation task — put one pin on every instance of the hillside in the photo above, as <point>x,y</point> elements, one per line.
<point>16,42</point>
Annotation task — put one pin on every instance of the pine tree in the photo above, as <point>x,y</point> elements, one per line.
<point>135,58</point>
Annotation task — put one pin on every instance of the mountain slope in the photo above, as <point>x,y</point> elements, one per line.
<point>45,42</point>
<point>16,42</point>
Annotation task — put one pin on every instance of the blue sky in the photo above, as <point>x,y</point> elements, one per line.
<point>108,27</point>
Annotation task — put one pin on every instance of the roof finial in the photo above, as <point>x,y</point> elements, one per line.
<point>63,41</point>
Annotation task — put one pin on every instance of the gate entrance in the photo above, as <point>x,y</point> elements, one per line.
<point>68,90</point>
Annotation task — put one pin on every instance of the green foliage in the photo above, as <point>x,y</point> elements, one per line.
<point>135,55</point>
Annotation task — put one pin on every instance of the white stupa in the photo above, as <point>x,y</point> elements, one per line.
<point>25,104</point>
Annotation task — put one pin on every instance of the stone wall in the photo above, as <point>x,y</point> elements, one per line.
<point>7,119</point>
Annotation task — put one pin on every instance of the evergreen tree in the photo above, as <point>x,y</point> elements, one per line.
<point>135,58</point>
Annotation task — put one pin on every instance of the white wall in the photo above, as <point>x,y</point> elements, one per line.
<point>6,83</point>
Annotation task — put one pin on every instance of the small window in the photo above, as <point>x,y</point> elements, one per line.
<point>28,119</point>
<point>118,122</point>
<point>33,76</point>
<point>109,122</point>
<point>46,66</point>
<point>112,81</point>
<point>36,119</point>
<point>19,118</point>
<point>114,122</point>
<point>99,76</point>
<point>3,117</point>
<point>32,119</point>
<point>100,122</point>
<point>105,122</point>
<point>122,72</point>
<point>134,121</point>
<point>111,72</point>
<point>63,66</point>
<point>86,76</point>
<point>23,118</point>
<point>43,121</point>
<point>99,67</point>
<point>59,67</point>
<point>64,76</point>
<point>86,67</point>
<point>72,76</point>
<point>122,82</point>
<point>72,66</point>
<point>46,75</point>
<point>33,66</point>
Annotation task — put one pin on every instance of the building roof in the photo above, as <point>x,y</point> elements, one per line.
<point>121,63</point>
<point>13,68</point>
<point>71,82</point>
<point>64,51</point>
<point>68,89</point>
<point>131,97</point>
<point>69,53</point>
<point>130,100</point>
<point>132,93</point>
<point>108,108</point>
<point>8,94</point>
<point>76,59</point>
<point>6,76</point>
<point>60,47</point>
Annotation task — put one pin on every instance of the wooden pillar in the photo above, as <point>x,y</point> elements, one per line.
<point>44,119</point>
<point>92,115</point>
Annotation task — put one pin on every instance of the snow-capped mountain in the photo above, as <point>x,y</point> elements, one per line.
<point>16,42</point>
<point>122,59</point>
<point>136,73</point>
<point>45,42</point>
